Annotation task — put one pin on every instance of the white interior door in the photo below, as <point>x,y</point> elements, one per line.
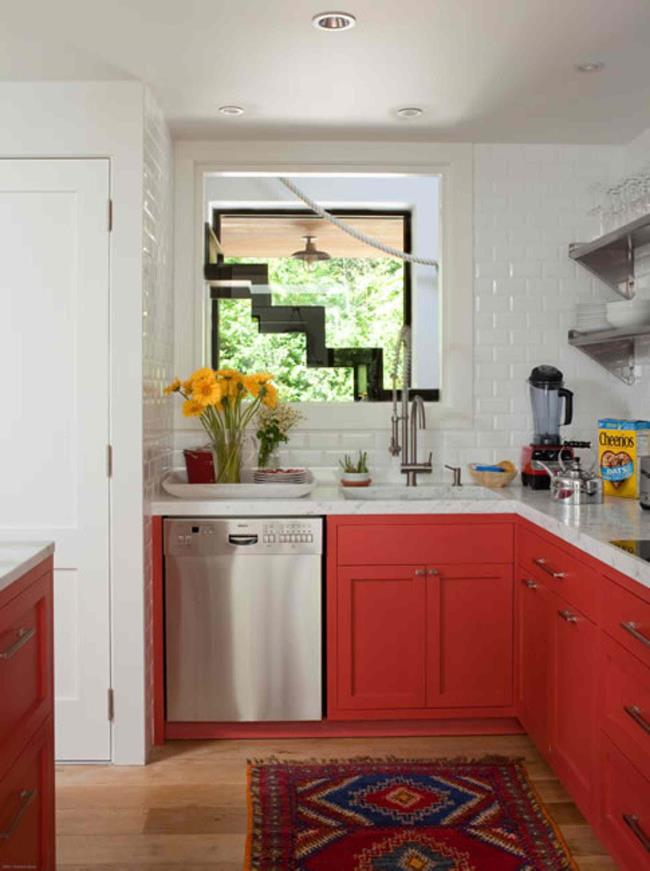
<point>54,424</point>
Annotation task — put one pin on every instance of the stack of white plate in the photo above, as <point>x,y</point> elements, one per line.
<point>629,313</point>
<point>280,476</point>
<point>591,316</point>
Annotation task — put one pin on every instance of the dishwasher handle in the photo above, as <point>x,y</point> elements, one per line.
<point>243,540</point>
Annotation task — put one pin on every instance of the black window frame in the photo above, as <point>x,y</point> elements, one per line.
<point>382,394</point>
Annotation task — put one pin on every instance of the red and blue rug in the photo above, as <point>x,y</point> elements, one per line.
<point>398,815</point>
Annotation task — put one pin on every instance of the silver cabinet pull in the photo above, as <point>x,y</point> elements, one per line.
<point>634,712</point>
<point>27,796</point>
<point>544,566</point>
<point>568,616</point>
<point>420,573</point>
<point>24,635</point>
<point>633,629</point>
<point>527,582</point>
<point>632,821</point>
<point>433,572</point>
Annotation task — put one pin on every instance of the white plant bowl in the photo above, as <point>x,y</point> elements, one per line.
<point>355,479</point>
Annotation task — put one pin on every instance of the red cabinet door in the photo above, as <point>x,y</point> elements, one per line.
<point>574,705</point>
<point>470,640</point>
<point>535,622</point>
<point>381,637</point>
<point>27,806</point>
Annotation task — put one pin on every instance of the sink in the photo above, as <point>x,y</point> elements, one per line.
<point>400,492</point>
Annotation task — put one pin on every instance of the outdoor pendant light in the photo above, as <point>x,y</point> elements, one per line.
<point>310,254</point>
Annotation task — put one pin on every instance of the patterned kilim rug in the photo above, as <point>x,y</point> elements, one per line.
<point>399,815</point>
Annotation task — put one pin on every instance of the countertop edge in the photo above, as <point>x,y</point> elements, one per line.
<point>39,551</point>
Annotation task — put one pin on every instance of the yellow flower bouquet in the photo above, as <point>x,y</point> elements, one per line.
<point>225,402</point>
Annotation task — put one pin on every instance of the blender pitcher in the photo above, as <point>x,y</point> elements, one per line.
<point>550,402</point>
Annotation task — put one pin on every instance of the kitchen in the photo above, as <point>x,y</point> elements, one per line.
<point>513,196</point>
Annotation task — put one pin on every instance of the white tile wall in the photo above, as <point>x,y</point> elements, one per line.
<point>158,340</point>
<point>531,201</point>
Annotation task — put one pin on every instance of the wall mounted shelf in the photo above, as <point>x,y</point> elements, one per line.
<point>611,257</point>
<point>615,349</point>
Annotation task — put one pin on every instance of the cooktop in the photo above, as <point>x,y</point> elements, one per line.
<point>637,546</point>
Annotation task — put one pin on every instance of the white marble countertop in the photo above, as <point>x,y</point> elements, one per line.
<point>18,557</point>
<point>588,527</point>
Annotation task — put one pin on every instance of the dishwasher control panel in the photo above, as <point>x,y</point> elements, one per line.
<point>213,537</point>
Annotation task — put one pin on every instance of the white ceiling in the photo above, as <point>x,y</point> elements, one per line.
<point>483,70</point>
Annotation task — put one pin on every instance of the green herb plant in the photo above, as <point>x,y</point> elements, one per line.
<point>352,467</point>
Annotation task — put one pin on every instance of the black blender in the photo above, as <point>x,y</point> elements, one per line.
<point>552,406</point>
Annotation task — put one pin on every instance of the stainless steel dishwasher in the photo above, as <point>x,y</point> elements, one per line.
<point>243,619</point>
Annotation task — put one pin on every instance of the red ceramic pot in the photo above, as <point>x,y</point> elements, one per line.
<point>200,466</point>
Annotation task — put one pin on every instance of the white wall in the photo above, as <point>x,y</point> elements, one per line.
<point>530,202</point>
<point>105,119</point>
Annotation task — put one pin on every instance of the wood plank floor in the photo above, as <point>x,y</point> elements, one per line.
<point>187,810</point>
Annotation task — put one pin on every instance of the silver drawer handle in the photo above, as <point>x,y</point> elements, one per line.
<point>633,629</point>
<point>634,712</point>
<point>27,796</point>
<point>568,616</point>
<point>544,566</point>
<point>433,572</point>
<point>24,635</point>
<point>632,821</point>
<point>420,573</point>
<point>530,584</point>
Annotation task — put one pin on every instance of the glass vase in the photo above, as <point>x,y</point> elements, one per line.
<point>227,452</point>
<point>270,460</point>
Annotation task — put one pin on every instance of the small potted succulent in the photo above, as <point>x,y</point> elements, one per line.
<point>354,473</point>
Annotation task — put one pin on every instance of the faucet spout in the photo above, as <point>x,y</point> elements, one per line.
<point>418,420</point>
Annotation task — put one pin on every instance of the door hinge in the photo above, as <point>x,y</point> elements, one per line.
<point>109,460</point>
<point>111,704</point>
<point>110,215</point>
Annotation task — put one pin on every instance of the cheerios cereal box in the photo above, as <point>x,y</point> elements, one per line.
<point>621,444</point>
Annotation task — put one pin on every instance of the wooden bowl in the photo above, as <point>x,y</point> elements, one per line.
<point>492,479</point>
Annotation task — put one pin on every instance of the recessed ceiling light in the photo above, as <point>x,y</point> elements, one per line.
<point>409,112</point>
<point>231,110</point>
<point>594,66</point>
<point>334,21</point>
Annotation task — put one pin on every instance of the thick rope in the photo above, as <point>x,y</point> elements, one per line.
<point>356,234</point>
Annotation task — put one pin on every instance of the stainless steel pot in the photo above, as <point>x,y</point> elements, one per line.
<point>573,485</point>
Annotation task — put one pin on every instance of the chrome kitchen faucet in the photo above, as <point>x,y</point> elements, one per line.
<point>410,422</point>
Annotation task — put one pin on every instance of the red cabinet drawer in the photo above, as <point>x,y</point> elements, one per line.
<point>395,544</point>
<point>626,714</point>
<point>626,810</point>
<point>27,806</point>
<point>626,618</point>
<point>566,575</point>
<point>25,664</point>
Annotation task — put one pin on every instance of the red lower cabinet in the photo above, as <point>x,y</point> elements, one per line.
<point>470,640</point>
<point>381,631</point>
<point>26,717</point>
<point>536,624</point>
<point>625,809</point>
<point>574,706</point>
<point>422,639</point>
<point>27,806</point>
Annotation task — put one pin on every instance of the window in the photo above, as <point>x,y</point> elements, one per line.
<point>328,332</point>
